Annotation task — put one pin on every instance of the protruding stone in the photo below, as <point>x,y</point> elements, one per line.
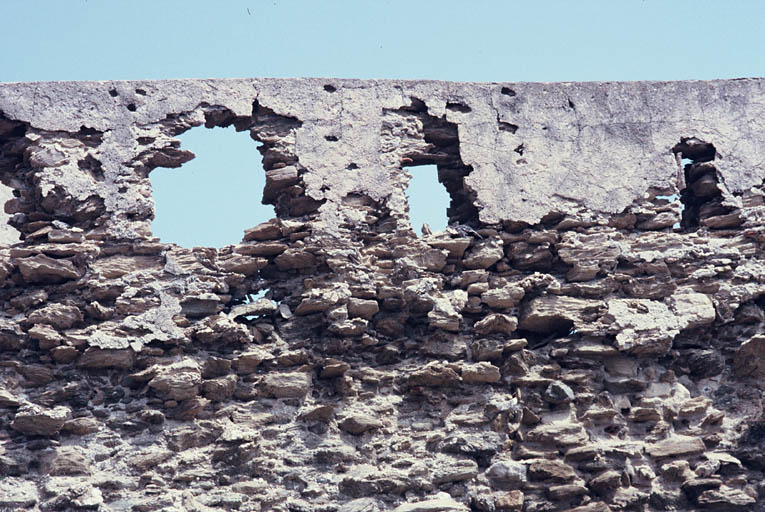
<point>98,358</point>
<point>362,308</point>
<point>59,316</point>
<point>34,420</point>
<point>454,470</point>
<point>81,426</point>
<point>507,473</point>
<point>359,423</point>
<point>177,381</point>
<point>44,269</point>
<point>219,389</point>
<point>676,446</point>
<point>512,500</point>
<point>503,298</point>
<point>434,374</point>
<point>270,230</point>
<point>248,362</point>
<point>551,471</point>
<point>295,259</point>
<point>496,323</point>
<point>480,373</point>
<point>559,393</point>
<point>484,254</point>
<point>286,385</point>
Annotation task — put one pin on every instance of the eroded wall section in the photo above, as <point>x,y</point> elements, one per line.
<point>586,335</point>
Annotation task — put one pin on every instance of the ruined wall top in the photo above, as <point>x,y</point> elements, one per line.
<point>529,148</point>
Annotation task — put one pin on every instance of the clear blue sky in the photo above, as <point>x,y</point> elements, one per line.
<point>435,39</point>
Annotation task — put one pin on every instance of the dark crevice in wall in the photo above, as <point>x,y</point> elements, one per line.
<point>702,196</point>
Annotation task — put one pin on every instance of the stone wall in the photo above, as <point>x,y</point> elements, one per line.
<point>586,335</point>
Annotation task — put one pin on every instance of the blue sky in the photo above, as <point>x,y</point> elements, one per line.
<point>439,39</point>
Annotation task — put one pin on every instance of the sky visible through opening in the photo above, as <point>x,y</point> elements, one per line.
<point>210,200</point>
<point>428,199</point>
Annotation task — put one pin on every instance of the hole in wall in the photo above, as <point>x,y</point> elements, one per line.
<point>428,199</point>
<point>507,91</point>
<point>8,234</point>
<point>507,127</point>
<point>458,107</point>
<point>441,148</point>
<point>113,93</point>
<point>210,200</point>
<point>330,88</point>
<point>131,107</point>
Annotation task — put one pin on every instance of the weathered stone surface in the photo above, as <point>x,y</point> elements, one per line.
<point>503,298</point>
<point>358,423</point>
<point>496,323</point>
<point>258,308</point>
<point>480,372</point>
<point>98,358</point>
<point>583,335</point>
<point>286,385</point>
<point>43,269</point>
<point>362,308</point>
<point>59,316</point>
<point>447,470</point>
<point>249,361</point>
<point>270,230</point>
<point>17,493</point>
<point>295,259</point>
<point>551,471</point>
<point>750,358</point>
<point>562,433</point>
<point>434,374</point>
<point>550,313</point>
<point>67,461</point>
<point>559,393</point>
<point>81,426</point>
<point>219,389</point>
<point>676,446</point>
<point>8,399</point>
<point>34,420</point>
<point>177,381</point>
<point>507,472</point>
<point>484,254</point>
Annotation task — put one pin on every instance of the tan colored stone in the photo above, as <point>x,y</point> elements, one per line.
<point>286,385</point>
<point>34,420</point>
<point>479,373</point>
<point>177,381</point>
<point>43,269</point>
<point>496,323</point>
<point>676,446</point>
